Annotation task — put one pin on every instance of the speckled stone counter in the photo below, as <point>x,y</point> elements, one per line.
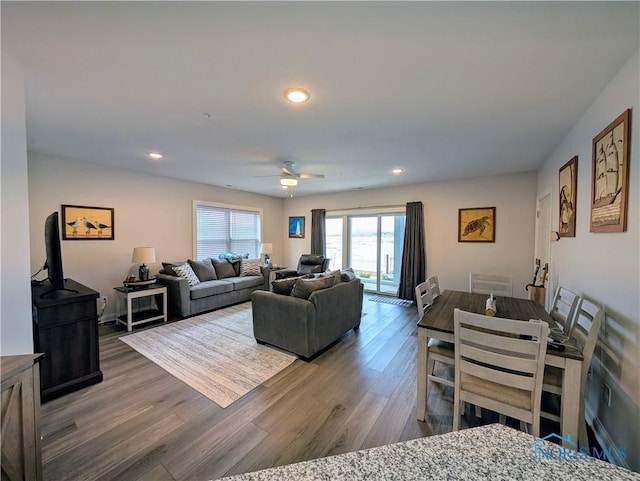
<point>492,452</point>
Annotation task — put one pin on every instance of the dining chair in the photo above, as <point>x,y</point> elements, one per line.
<point>584,336</point>
<point>499,285</point>
<point>435,286</point>
<point>437,350</point>
<point>499,365</point>
<point>563,311</point>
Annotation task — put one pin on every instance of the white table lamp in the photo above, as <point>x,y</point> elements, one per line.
<point>266,248</point>
<point>143,255</point>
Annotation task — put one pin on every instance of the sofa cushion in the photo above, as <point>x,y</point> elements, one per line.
<point>210,288</point>
<point>303,288</point>
<point>186,271</point>
<point>223,268</point>
<point>335,275</point>
<point>283,286</point>
<point>204,270</point>
<point>250,267</point>
<point>245,282</point>
<point>310,263</point>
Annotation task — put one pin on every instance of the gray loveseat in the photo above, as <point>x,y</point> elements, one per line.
<point>221,284</point>
<point>307,326</point>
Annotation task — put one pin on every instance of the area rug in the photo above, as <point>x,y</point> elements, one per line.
<point>391,300</point>
<point>214,353</point>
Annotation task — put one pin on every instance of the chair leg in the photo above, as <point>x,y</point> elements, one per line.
<point>478,412</point>
<point>430,365</point>
<point>456,414</point>
<point>502,419</point>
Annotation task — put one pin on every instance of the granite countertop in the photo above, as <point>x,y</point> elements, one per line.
<point>493,452</point>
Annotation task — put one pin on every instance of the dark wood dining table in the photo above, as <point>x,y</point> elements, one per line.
<point>437,323</point>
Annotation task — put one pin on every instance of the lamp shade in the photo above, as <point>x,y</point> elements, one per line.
<point>143,255</point>
<point>266,248</point>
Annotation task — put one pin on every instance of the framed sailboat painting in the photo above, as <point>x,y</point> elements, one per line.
<point>296,227</point>
<point>610,176</point>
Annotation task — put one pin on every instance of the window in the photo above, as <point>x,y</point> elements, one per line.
<point>220,228</point>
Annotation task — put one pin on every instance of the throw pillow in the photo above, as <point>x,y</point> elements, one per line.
<point>283,286</point>
<point>335,275</point>
<point>348,275</point>
<point>167,268</point>
<point>186,271</point>
<point>250,267</point>
<point>304,287</point>
<point>203,269</point>
<point>223,268</point>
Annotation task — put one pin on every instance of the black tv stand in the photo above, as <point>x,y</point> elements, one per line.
<point>65,329</point>
<point>52,290</point>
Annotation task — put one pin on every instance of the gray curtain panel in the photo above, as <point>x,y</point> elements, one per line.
<point>318,217</point>
<point>414,260</point>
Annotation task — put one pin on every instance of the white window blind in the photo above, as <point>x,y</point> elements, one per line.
<point>220,229</point>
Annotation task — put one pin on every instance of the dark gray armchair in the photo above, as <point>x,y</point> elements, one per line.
<point>307,264</point>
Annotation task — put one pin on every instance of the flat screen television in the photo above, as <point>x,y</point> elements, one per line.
<point>54,252</point>
<point>53,264</point>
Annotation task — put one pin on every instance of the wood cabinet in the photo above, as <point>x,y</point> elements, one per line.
<point>65,329</point>
<point>21,449</point>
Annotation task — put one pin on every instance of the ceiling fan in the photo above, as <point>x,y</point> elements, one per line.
<point>289,176</point>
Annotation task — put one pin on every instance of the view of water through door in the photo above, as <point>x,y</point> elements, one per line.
<point>371,245</point>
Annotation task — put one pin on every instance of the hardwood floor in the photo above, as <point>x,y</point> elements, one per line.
<point>141,423</point>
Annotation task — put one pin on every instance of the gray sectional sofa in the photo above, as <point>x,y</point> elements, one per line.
<point>221,283</point>
<point>306,326</point>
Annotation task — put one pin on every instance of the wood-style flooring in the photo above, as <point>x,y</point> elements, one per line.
<point>141,423</point>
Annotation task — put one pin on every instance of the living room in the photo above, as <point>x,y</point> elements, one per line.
<point>153,209</point>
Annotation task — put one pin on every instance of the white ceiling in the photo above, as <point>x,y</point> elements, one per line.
<point>441,89</point>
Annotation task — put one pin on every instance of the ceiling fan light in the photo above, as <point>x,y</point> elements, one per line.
<point>297,95</point>
<point>288,181</point>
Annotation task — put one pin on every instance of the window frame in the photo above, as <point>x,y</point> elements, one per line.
<point>228,207</point>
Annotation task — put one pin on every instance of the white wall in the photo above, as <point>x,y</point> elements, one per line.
<point>15,289</point>
<point>149,211</point>
<point>606,266</point>
<point>514,197</point>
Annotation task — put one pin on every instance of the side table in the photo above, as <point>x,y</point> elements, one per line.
<point>128,294</point>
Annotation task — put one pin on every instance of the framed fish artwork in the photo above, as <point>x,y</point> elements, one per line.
<point>610,176</point>
<point>87,223</point>
<point>477,224</point>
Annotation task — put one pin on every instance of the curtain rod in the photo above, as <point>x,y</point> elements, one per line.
<point>367,207</point>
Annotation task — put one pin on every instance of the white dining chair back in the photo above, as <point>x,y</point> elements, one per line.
<point>496,284</point>
<point>563,310</point>
<point>435,286</point>
<point>437,350</point>
<point>424,299</point>
<point>499,365</point>
<point>587,322</point>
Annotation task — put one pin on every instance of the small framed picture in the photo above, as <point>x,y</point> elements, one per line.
<point>87,223</point>
<point>568,194</point>
<point>296,227</point>
<point>477,224</point>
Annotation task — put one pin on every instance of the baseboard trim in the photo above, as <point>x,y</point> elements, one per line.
<point>603,438</point>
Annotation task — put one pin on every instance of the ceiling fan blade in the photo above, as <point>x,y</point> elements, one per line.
<point>310,176</point>
<point>288,171</point>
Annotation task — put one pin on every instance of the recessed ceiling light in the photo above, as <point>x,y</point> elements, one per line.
<point>296,95</point>
<point>154,155</point>
<point>397,171</point>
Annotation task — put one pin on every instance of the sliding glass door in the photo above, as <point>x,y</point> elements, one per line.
<point>371,244</point>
